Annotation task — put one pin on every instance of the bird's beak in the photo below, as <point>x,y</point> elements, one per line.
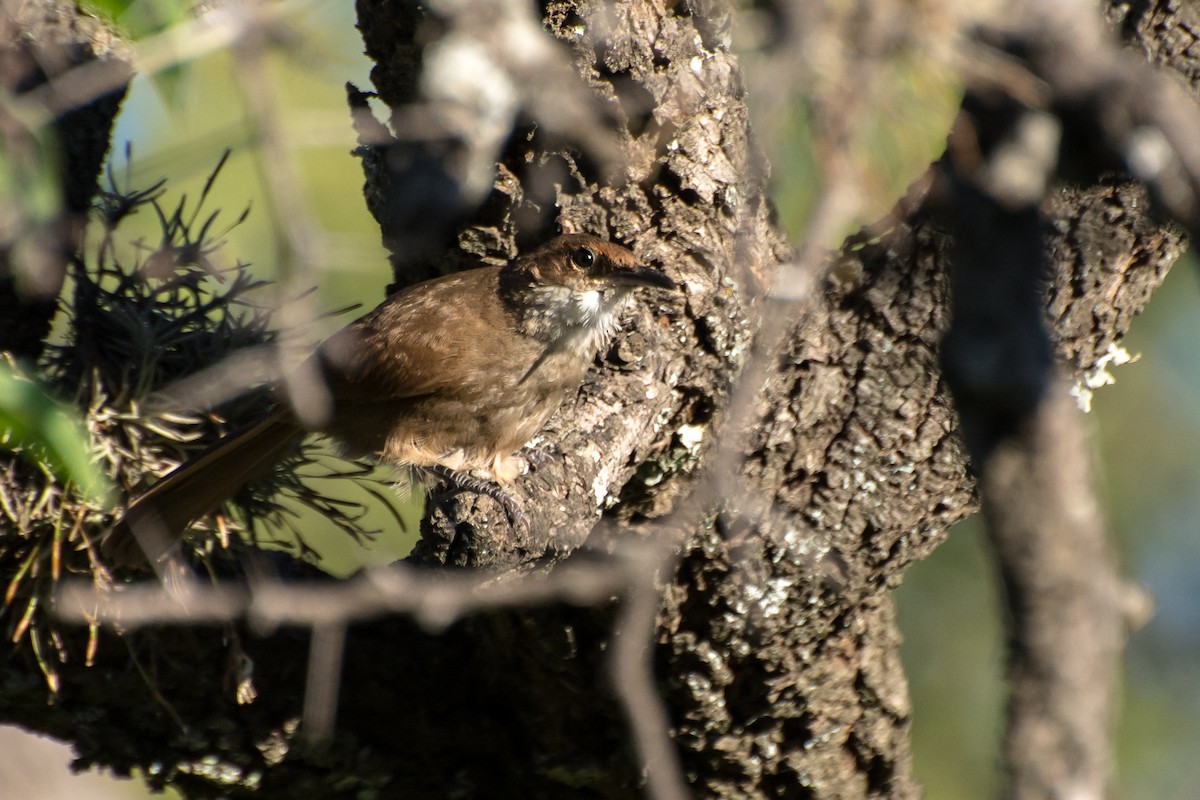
<point>641,276</point>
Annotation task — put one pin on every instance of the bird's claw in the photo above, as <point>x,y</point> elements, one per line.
<point>458,482</point>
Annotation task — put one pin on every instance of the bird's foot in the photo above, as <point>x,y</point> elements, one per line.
<point>458,482</point>
<point>536,457</point>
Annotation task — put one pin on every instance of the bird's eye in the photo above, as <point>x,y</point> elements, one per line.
<point>583,257</point>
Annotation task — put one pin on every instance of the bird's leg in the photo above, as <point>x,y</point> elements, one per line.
<point>536,461</point>
<point>458,482</point>
<point>536,457</point>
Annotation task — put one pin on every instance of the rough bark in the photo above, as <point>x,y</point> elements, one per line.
<point>776,647</point>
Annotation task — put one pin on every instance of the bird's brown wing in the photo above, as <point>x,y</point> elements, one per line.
<point>431,338</point>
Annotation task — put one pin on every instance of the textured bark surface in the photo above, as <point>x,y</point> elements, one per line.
<point>776,649</point>
<point>1166,30</point>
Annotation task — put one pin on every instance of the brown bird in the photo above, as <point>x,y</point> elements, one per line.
<point>451,377</point>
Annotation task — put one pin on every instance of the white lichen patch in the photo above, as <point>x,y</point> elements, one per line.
<point>770,597</point>
<point>600,486</point>
<point>690,437</point>
<point>1099,375</point>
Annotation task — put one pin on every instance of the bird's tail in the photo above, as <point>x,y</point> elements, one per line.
<point>156,519</point>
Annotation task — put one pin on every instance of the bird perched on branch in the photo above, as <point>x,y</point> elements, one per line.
<point>449,377</point>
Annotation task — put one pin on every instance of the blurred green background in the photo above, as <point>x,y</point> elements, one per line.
<point>1147,426</point>
<point>177,127</point>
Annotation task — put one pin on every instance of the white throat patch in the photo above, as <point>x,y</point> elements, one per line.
<point>597,319</point>
<point>589,302</point>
